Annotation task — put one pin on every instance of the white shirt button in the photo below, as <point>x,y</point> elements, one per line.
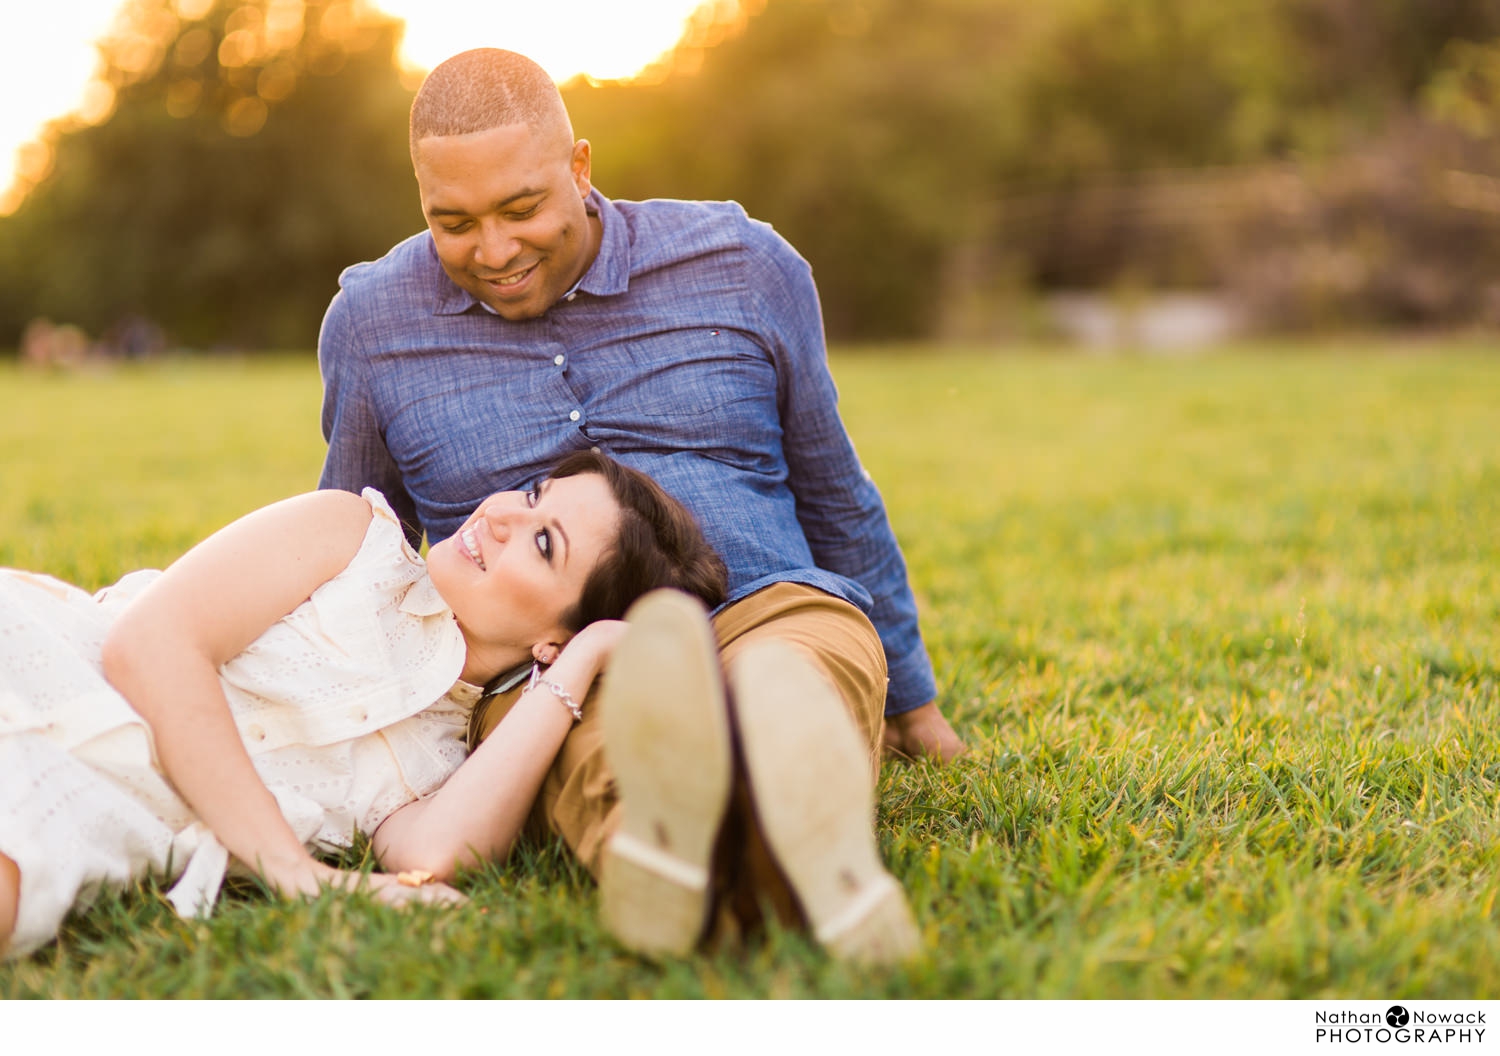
<point>559,360</point>
<point>255,733</point>
<point>360,715</point>
<point>574,416</point>
<point>570,296</point>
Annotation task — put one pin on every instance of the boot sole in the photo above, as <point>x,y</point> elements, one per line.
<point>809,777</point>
<point>666,738</point>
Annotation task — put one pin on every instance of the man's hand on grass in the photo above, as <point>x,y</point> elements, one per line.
<point>922,733</point>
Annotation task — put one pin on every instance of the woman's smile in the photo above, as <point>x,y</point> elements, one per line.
<point>471,546</point>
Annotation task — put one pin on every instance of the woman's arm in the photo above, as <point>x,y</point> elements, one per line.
<point>164,653</point>
<point>480,810</point>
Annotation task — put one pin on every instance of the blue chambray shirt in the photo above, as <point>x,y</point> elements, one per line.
<point>691,349</point>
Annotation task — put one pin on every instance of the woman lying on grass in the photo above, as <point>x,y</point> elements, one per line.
<point>302,675</point>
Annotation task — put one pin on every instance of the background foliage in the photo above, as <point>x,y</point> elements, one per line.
<point>1327,162</point>
<point>249,159</point>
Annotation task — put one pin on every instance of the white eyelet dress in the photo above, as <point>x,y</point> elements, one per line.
<point>350,706</point>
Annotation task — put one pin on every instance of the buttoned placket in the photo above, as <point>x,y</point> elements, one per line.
<point>558,348</point>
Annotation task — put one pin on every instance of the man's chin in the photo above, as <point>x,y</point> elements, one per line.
<point>516,311</point>
<point>517,308</point>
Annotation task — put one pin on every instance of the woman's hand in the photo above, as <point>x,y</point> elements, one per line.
<point>393,891</point>
<point>479,811</point>
<point>310,878</point>
<point>586,653</point>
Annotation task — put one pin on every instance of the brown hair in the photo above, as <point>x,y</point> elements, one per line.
<point>658,544</point>
<point>486,88</point>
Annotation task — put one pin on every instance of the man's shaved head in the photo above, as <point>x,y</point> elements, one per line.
<point>488,88</point>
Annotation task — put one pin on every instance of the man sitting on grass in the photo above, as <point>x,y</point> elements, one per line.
<point>536,317</point>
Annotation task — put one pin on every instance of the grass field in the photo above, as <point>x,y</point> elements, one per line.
<point>1223,635</point>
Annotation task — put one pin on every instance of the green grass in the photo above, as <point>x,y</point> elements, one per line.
<point>1223,635</point>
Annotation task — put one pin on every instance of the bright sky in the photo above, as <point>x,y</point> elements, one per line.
<point>46,53</point>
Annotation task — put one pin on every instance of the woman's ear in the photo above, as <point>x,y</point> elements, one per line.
<point>546,652</point>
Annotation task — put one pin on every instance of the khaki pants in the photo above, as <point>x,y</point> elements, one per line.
<point>578,800</point>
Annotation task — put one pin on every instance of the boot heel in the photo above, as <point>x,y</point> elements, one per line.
<point>878,929</point>
<point>651,902</point>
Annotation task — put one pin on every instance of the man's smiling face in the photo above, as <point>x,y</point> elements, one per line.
<point>506,210</point>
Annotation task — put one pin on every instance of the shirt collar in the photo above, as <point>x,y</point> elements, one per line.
<point>609,273</point>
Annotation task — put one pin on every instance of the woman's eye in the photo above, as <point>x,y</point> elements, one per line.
<point>533,494</point>
<point>544,544</point>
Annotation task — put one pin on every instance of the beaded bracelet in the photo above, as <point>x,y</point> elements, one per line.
<point>557,691</point>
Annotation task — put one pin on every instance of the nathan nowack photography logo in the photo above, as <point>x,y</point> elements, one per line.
<point>1399,1025</point>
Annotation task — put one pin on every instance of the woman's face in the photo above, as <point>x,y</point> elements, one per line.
<point>519,563</point>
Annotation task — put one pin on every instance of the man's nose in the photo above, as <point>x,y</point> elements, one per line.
<point>496,247</point>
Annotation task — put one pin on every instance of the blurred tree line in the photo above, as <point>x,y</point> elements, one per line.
<point>254,150</point>
<point>939,161</point>
<point>1325,161</point>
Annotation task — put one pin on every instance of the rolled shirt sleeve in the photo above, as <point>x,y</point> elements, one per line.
<point>838,505</point>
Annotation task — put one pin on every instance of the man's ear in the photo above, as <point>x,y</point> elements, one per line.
<point>582,166</point>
